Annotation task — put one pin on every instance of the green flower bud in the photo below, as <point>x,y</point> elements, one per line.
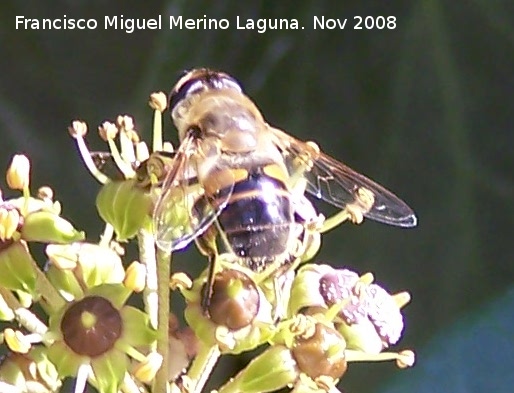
<point>47,227</point>
<point>272,370</point>
<point>18,173</point>
<point>126,207</point>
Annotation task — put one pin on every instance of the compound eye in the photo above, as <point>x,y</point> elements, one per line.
<point>197,81</point>
<point>227,82</point>
<point>192,86</point>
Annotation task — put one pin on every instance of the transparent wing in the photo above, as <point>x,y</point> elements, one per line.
<point>184,210</point>
<point>341,186</point>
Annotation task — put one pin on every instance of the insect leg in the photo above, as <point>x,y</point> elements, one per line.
<point>206,244</point>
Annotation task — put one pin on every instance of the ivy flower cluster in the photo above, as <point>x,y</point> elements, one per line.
<point>86,313</point>
<point>67,317</point>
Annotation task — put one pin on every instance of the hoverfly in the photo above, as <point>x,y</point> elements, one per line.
<point>237,178</point>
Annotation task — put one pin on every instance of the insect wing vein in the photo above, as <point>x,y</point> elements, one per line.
<point>341,186</point>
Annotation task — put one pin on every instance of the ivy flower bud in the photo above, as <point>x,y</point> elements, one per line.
<point>272,370</point>
<point>135,277</point>
<point>18,173</point>
<point>125,206</point>
<point>48,227</point>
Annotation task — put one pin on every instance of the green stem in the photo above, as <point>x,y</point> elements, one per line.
<point>47,290</point>
<point>26,197</point>
<point>163,294</point>
<point>202,366</point>
<point>157,131</point>
<point>148,258</point>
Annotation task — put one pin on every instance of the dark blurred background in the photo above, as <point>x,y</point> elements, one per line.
<point>425,109</point>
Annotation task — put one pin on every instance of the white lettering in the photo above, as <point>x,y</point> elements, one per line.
<point>199,23</point>
<point>175,21</point>
<point>262,25</point>
<point>129,25</point>
<point>63,23</point>
<point>330,24</point>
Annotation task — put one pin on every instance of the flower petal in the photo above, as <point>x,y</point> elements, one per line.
<point>109,370</point>
<point>117,294</point>
<point>136,327</point>
<point>65,360</point>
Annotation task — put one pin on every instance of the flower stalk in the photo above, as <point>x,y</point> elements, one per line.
<point>163,294</point>
<point>148,257</point>
<point>49,294</point>
<point>201,368</point>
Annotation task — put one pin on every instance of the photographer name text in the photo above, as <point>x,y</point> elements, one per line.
<point>172,22</point>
